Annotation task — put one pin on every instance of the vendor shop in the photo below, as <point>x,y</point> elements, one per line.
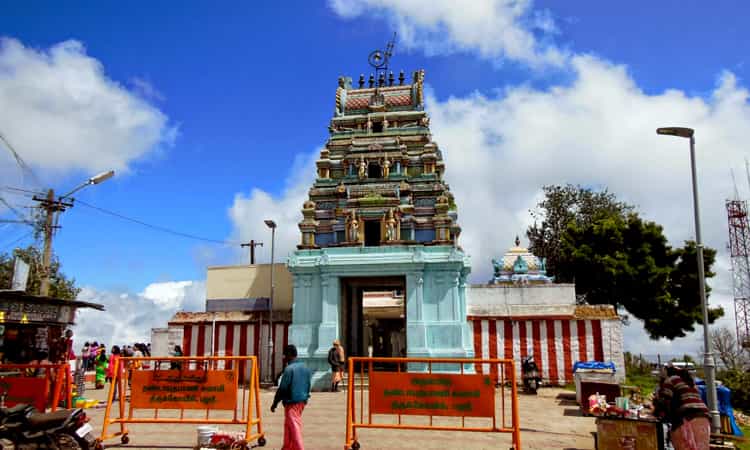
<point>30,324</point>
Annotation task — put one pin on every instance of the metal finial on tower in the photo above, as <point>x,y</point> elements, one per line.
<point>391,78</point>
<point>401,78</point>
<point>379,58</point>
<point>518,241</point>
<point>371,81</point>
<point>361,80</point>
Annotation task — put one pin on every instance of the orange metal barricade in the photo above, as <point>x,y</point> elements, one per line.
<point>20,383</point>
<point>422,391</point>
<point>180,384</point>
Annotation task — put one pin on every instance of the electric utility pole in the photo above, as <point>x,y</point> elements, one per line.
<point>50,207</point>
<point>252,244</point>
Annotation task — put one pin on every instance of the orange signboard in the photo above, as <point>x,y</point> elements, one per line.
<point>189,389</point>
<point>431,394</point>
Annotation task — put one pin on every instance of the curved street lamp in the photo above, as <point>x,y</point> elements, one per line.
<point>52,206</point>
<point>709,366</point>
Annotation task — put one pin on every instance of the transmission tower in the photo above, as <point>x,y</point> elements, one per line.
<point>739,252</point>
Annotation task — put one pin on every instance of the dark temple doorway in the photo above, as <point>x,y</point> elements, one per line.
<point>372,233</point>
<point>373,316</point>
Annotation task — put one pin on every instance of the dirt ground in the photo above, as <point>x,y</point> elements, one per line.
<point>549,420</point>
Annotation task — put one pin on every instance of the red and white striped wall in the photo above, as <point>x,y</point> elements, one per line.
<point>555,344</point>
<point>237,339</point>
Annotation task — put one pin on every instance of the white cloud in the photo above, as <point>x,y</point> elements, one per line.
<point>63,113</point>
<point>494,29</point>
<point>146,89</point>
<point>597,131</point>
<point>128,318</point>
<point>249,211</point>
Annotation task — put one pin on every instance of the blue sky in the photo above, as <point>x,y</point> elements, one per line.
<point>245,91</point>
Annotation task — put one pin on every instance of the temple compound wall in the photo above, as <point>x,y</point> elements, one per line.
<point>543,321</point>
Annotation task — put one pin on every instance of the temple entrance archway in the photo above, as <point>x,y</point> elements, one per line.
<point>373,316</point>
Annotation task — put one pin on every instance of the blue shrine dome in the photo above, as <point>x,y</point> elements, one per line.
<point>519,266</point>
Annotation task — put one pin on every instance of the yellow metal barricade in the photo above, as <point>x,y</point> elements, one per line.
<point>444,394</point>
<point>173,388</point>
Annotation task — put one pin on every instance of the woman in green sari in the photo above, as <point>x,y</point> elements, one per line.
<point>101,367</point>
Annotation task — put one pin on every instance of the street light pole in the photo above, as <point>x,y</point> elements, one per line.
<point>51,207</point>
<point>709,366</point>
<point>272,225</point>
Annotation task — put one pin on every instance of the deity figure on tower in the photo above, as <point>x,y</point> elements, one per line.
<point>362,172</point>
<point>390,227</point>
<point>386,167</point>
<point>354,228</point>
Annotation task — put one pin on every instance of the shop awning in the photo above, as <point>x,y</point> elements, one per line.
<point>20,307</point>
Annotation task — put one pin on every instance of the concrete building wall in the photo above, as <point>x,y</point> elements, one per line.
<point>250,282</point>
<point>491,296</point>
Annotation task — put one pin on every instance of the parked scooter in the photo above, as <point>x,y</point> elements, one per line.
<point>530,375</point>
<point>26,428</point>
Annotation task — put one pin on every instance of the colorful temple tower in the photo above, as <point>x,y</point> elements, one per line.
<point>380,218</point>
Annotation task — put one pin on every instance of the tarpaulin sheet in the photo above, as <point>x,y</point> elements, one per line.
<point>594,365</point>
<point>724,395</point>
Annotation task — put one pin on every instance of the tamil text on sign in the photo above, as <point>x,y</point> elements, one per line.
<point>174,389</point>
<point>432,394</point>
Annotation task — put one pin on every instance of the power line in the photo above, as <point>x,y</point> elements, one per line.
<point>25,169</point>
<point>24,236</point>
<point>21,191</point>
<point>157,227</point>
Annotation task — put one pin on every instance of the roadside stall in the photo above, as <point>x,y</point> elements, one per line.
<point>594,377</point>
<point>32,334</point>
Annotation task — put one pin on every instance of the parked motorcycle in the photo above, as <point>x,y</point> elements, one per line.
<point>26,428</point>
<point>530,375</point>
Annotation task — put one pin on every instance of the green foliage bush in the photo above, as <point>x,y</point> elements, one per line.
<point>739,382</point>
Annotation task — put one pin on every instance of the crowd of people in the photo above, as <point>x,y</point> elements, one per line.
<point>94,358</point>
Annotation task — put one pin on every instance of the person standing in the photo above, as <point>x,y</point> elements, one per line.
<point>293,393</point>
<point>176,365</point>
<point>85,355</point>
<point>113,377</point>
<point>679,403</point>
<point>100,364</point>
<point>336,359</point>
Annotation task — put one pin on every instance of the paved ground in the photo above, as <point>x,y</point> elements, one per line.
<point>548,421</point>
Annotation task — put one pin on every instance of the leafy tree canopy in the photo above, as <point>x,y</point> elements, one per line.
<point>615,257</point>
<point>60,286</point>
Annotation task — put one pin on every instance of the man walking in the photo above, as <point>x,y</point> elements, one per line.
<point>293,392</point>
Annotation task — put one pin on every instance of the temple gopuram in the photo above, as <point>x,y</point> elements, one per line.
<point>380,218</point>
<point>379,267</point>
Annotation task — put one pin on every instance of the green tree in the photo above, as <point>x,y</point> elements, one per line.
<point>561,206</point>
<point>60,285</point>
<point>614,257</point>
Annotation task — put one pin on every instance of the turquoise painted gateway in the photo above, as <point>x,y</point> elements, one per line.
<point>379,266</point>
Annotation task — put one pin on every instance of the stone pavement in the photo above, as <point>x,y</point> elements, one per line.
<point>548,421</point>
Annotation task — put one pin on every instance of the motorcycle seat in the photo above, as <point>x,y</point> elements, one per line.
<point>39,421</point>
<point>17,409</point>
